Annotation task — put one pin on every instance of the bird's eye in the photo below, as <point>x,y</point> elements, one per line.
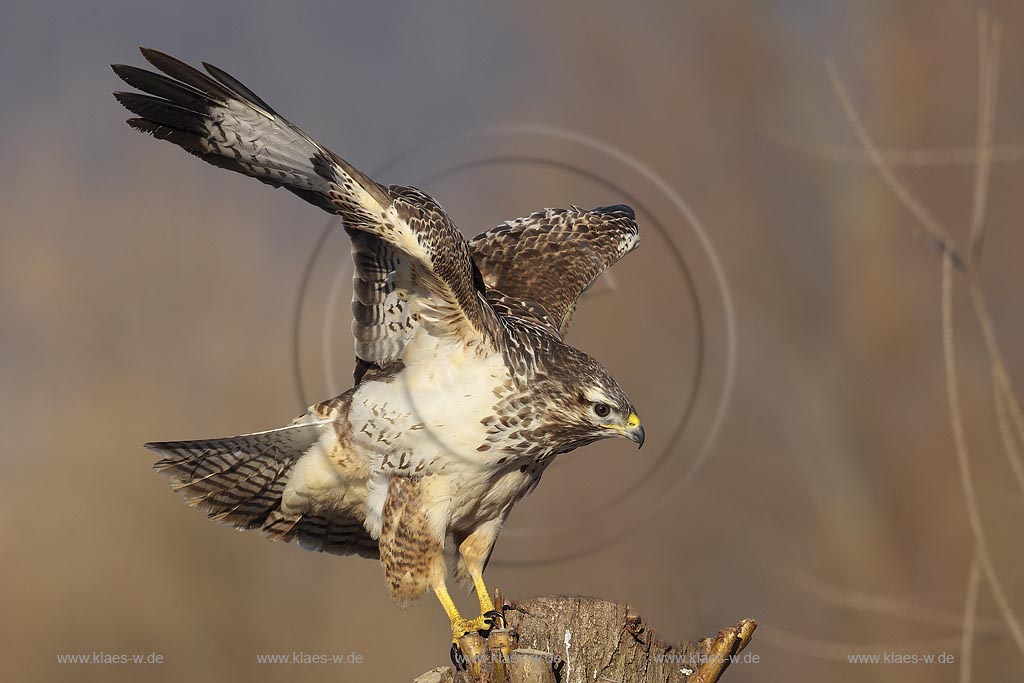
<point>602,409</point>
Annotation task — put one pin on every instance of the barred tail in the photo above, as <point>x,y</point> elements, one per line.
<point>241,480</point>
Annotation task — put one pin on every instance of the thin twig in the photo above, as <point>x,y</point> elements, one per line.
<point>1000,375</point>
<point>927,223</point>
<point>989,43</point>
<point>1013,454</point>
<point>963,460</point>
<point>970,620</point>
<point>1007,404</point>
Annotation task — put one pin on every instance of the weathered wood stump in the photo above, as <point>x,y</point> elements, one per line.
<point>574,639</point>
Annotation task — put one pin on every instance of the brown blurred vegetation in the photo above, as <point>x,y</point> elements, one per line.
<point>148,296</point>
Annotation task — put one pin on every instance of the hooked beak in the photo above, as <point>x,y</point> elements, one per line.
<point>636,435</point>
<point>635,430</point>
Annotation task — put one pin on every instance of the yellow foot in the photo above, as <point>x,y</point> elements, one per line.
<point>461,627</point>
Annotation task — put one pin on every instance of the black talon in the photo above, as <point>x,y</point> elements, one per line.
<point>458,661</point>
<point>496,617</point>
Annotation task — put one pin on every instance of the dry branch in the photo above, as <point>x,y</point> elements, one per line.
<point>564,639</point>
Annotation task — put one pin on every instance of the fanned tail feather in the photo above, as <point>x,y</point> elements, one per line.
<point>240,480</point>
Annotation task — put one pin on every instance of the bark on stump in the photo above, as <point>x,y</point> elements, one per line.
<point>574,639</point>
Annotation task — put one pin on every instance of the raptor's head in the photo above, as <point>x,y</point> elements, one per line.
<point>586,404</point>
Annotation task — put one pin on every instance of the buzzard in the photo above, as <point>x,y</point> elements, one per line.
<point>464,390</point>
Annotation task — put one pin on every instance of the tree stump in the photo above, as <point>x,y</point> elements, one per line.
<point>574,639</point>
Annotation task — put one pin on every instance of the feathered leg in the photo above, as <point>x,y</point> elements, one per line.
<point>413,528</point>
<point>475,550</point>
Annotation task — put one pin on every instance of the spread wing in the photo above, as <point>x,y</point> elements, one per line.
<point>552,256</point>
<point>413,267</point>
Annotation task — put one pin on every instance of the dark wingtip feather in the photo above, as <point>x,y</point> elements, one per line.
<point>157,130</point>
<point>124,98</point>
<point>162,111</point>
<point>161,59</point>
<point>158,446</point>
<point>189,75</point>
<point>616,209</point>
<point>237,86</point>
<point>156,57</point>
<point>190,142</point>
<point>164,87</point>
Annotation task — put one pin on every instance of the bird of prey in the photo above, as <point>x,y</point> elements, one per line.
<point>464,389</point>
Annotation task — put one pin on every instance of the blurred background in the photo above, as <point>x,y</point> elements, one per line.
<point>779,329</point>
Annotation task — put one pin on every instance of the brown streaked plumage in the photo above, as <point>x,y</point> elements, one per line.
<point>464,390</point>
<point>551,257</point>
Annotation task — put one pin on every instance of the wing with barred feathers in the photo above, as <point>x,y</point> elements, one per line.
<point>551,257</point>
<point>414,264</point>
